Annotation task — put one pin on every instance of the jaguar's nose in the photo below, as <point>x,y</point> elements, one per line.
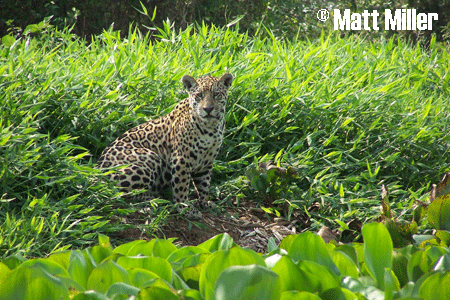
<point>208,109</point>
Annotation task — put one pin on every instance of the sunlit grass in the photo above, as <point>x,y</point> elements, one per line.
<point>347,114</point>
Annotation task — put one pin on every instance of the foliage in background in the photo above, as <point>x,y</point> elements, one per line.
<point>345,114</point>
<point>285,19</point>
<point>302,267</point>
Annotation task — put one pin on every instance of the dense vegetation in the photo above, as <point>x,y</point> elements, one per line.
<point>286,19</point>
<point>344,115</point>
<point>219,269</point>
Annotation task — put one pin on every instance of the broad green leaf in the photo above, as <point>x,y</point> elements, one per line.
<point>179,284</point>
<point>291,278</point>
<point>8,40</point>
<point>124,248</point>
<point>219,242</point>
<point>106,274</point>
<point>157,292</point>
<point>444,237</point>
<point>296,295</point>
<point>348,250</point>
<point>157,265</point>
<point>443,264</point>
<point>316,250</point>
<point>162,248</point>
<point>120,288</point>
<point>377,250</point>
<point>144,249</point>
<point>439,213</point>
<point>436,286</point>
<point>79,269</point>
<point>353,285</point>
<point>191,268</point>
<point>91,295</point>
<point>181,254</point>
<point>247,282</point>
<point>344,263</point>
<point>141,277</point>
<point>4,271</point>
<point>13,261</point>
<point>219,261</point>
<point>338,293</point>
<point>103,241</point>
<point>400,267</point>
<point>97,254</point>
<point>62,258</point>
<point>391,284</point>
<point>191,295</point>
<point>418,264</point>
<point>35,278</point>
<point>272,260</point>
<point>318,275</point>
<point>187,258</point>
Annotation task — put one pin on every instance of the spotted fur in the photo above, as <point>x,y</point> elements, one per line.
<point>176,148</point>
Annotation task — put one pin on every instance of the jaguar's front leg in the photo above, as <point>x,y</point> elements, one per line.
<point>202,182</point>
<point>180,170</point>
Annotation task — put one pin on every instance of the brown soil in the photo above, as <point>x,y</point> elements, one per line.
<point>248,226</point>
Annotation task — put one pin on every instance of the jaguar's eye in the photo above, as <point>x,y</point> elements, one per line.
<point>199,95</point>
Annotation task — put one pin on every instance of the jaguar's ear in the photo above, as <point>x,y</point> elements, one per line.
<point>189,82</point>
<point>226,80</point>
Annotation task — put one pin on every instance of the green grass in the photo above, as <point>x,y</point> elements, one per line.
<point>347,114</point>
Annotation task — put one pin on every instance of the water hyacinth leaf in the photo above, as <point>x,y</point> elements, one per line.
<point>13,261</point>
<point>25,282</point>
<point>157,292</point>
<point>353,285</point>
<point>157,265</point>
<point>338,293</point>
<point>443,264</point>
<point>97,254</point>
<point>219,242</point>
<point>400,267</point>
<point>247,282</point>
<point>291,278</point>
<point>125,248</point>
<point>320,277</point>
<point>79,269</point>
<point>444,237</point>
<point>106,274</point>
<point>162,248</point>
<point>144,249</point>
<point>4,271</point>
<point>140,277</point>
<point>91,295</point>
<point>316,250</point>
<point>219,261</point>
<point>391,284</point>
<point>344,263</point>
<point>436,286</point>
<point>287,241</point>
<point>103,241</point>
<point>439,213</point>
<point>191,268</point>
<point>191,295</point>
<point>62,258</point>
<point>296,295</point>
<point>121,289</point>
<point>179,255</point>
<point>377,250</point>
<point>418,265</point>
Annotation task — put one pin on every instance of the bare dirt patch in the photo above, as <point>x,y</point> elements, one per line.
<point>249,227</point>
